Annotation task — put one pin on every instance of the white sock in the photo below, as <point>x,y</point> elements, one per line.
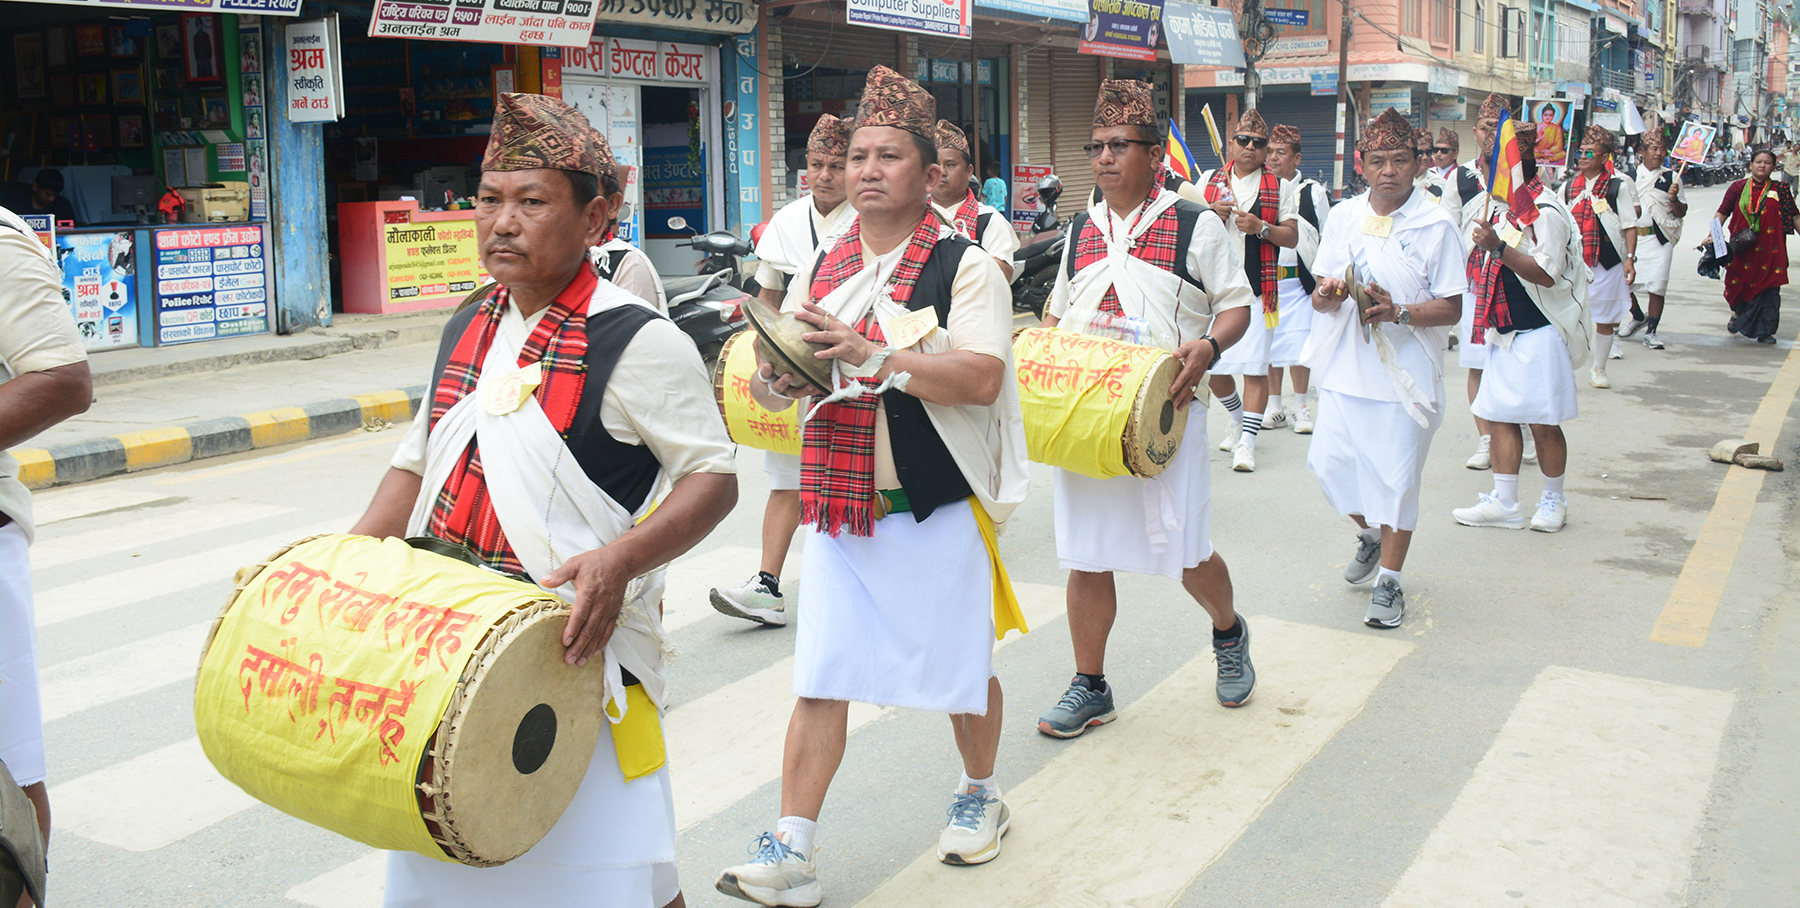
<point>1373,534</point>
<point>1234,405</point>
<point>1553,485</point>
<point>989,786</point>
<point>798,833</point>
<point>1602,349</point>
<point>1384,572</point>
<point>1296,401</point>
<point>1506,488</point>
<point>1252,425</point>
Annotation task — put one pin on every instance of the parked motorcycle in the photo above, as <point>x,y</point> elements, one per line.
<point>724,252</point>
<point>1035,264</point>
<point>709,306</point>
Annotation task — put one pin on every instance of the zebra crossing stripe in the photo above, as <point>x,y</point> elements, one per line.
<point>358,884</point>
<point>150,801</point>
<point>121,534</point>
<point>123,671</point>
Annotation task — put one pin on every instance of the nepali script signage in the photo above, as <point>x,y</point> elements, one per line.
<point>1202,35</point>
<point>248,7</point>
<point>939,18</point>
<point>725,17</point>
<point>553,23</point>
<point>648,61</point>
<point>1128,29</point>
<point>435,258</point>
<point>315,90</point>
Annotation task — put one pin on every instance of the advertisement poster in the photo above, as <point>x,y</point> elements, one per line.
<point>741,134</point>
<point>672,188</point>
<point>1128,29</point>
<point>553,23</point>
<point>1203,35</point>
<point>942,18</point>
<point>314,71</point>
<point>1692,143</point>
<point>99,281</point>
<point>44,226</point>
<point>210,282</point>
<point>261,7</point>
<point>1555,119</point>
<point>433,258</point>
<point>1025,205</point>
<point>250,39</point>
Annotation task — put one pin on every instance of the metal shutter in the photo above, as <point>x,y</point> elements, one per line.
<point>1036,147</point>
<point>1075,82</point>
<point>1316,118</point>
<point>1198,140</point>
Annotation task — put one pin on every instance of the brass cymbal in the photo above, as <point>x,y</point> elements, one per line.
<point>780,333</point>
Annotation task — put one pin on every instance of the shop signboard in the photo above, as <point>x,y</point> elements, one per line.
<point>1060,10</point>
<point>1295,17</point>
<point>433,258</point>
<point>723,17</point>
<point>1128,29</point>
<point>743,123</point>
<point>1025,204</point>
<point>1380,99</point>
<point>673,187</point>
<point>1324,83</point>
<point>644,61</point>
<point>99,279</point>
<point>314,71</point>
<point>210,282</point>
<point>938,18</point>
<point>1202,35</point>
<point>250,7</point>
<point>44,225</point>
<point>552,23</point>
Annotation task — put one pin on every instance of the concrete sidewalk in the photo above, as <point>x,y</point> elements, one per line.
<point>168,405</point>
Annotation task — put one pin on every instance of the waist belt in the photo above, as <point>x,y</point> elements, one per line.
<point>1646,231</point>
<point>1287,272</point>
<point>891,501</point>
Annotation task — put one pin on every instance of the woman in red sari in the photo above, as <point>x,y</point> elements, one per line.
<point>1753,279</point>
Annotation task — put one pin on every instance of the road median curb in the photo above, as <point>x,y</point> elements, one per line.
<point>148,449</point>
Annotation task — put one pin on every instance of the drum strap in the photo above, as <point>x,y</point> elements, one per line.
<point>927,471</point>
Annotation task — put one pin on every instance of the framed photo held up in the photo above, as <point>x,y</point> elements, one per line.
<point>28,64</point>
<point>200,36</point>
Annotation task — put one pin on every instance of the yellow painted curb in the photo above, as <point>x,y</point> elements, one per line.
<point>37,469</point>
<point>280,426</point>
<point>393,406</point>
<point>153,448</point>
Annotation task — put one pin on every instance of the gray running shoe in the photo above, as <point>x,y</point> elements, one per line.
<point>753,602</point>
<point>1237,677</point>
<point>1079,710</point>
<point>1387,605</point>
<point>1367,558</point>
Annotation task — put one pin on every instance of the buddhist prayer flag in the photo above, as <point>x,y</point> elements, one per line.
<point>1181,161</point>
<point>1506,170</point>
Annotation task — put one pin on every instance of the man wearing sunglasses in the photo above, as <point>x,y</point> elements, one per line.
<point>1145,253</point>
<point>1603,203</point>
<point>1261,212</point>
<point>1443,154</point>
<point>1427,178</point>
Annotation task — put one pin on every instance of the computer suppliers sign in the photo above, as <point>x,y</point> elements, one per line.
<point>943,18</point>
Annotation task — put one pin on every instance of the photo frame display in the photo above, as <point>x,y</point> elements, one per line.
<point>90,40</point>
<point>200,47</point>
<point>131,131</point>
<point>62,90</point>
<point>217,110</point>
<point>28,64</point>
<point>128,86</point>
<point>61,129</point>
<point>90,88</point>
<point>119,44</point>
<point>168,42</point>
<point>56,46</point>
<point>167,115</point>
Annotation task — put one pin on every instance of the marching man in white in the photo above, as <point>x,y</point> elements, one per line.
<point>1603,205</point>
<point>1295,283</point>
<point>1472,352</point>
<point>961,208</point>
<point>1380,371</point>
<point>1664,202</point>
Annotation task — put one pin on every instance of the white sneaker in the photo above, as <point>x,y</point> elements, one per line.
<point>1303,420</point>
<point>977,822</point>
<point>1276,419</point>
<point>776,875</point>
<point>1481,460</point>
<point>1652,341</point>
<point>752,602</point>
<point>1489,512</point>
<point>1552,513</point>
<point>1231,437</point>
<point>1631,327</point>
<point>1598,379</point>
<point>1618,351</point>
<point>1243,458</point>
<point>1530,444</point>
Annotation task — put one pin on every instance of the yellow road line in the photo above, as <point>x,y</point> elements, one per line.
<point>283,425</point>
<point>156,448</point>
<point>1688,616</point>
<point>261,462</point>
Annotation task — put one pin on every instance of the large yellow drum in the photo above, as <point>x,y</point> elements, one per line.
<point>1096,406</point>
<point>749,423</point>
<point>402,698</point>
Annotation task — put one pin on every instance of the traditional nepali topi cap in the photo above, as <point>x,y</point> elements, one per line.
<point>1493,107</point>
<point>1284,134</point>
<point>533,132</point>
<point>891,99</point>
<point>1447,138</point>
<point>1387,132</point>
<point>949,136</point>
<point>1252,122</point>
<point>1527,135</point>
<point>1124,102</point>
<point>1599,136</point>
<point>1654,140</point>
<point>608,164</point>
<point>830,137</point>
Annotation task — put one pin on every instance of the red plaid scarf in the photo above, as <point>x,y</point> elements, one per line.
<point>1585,216</point>
<point>463,512</point>
<point>1156,245</point>
<point>968,218</point>
<point>1491,307</point>
<point>837,454</point>
<point>1256,252</point>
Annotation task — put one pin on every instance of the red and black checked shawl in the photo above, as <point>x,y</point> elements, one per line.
<point>1256,251</point>
<point>463,512</point>
<point>837,454</point>
<point>1585,216</point>
<point>968,218</point>
<point>1492,309</point>
<point>1156,245</point>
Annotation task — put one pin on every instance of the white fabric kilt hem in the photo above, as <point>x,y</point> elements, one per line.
<point>1369,458</point>
<point>1160,525</point>
<point>613,848</point>
<point>1296,323</point>
<point>1469,354</point>
<point>1249,357</point>
<point>1609,297</point>
<point>1530,383</point>
<point>783,471</point>
<point>903,617</point>
<point>1654,260</point>
<point>21,710</point>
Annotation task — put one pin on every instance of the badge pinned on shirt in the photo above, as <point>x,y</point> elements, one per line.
<point>1600,206</point>
<point>1510,235</point>
<point>1376,225</point>
<point>507,392</point>
<point>910,328</point>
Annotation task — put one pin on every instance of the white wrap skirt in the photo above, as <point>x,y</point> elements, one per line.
<point>1654,259</point>
<point>1296,323</point>
<point>1158,525</point>
<point>1469,353</point>
<point>1609,296</point>
<point>1249,357</point>
<point>783,470</point>
<point>21,711</point>
<point>1369,458</point>
<point>1530,383</point>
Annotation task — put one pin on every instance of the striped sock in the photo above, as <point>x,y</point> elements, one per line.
<point>1234,405</point>
<point>1252,425</point>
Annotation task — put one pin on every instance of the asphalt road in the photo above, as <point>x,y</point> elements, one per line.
<point>1605,716</point>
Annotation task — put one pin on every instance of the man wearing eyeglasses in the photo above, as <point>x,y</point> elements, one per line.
<point>1145,253</point>
<point>1261,212</point>
<point>1603,203</point>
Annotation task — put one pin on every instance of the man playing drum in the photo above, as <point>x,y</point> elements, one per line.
<point>1295,284</point>
<point>1261,213</point>
<point>791,243</point>
<point>1381,394</point>
<point>43,380</point>
<point>959,205</point>
<point>561,408</point>
<point>902,469</point>
<point>1145,253</point>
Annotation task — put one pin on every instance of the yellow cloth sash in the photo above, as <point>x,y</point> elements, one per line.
<point>639,737</point>
<point>1007,614</point>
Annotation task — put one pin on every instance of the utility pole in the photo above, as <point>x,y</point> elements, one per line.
<point>1257,34</point>
<point>1343,99</point>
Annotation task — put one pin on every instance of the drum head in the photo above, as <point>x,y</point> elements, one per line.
<point>781,339</point>
<point>516,741</point>
<point>1153,433</point>
<point>720,364</point>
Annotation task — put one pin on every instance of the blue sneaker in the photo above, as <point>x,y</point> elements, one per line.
<point>1080,709</point>
<point>1237,677</point>
<point>775,875</point>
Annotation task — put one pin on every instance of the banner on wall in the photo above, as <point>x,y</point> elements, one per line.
<point>1128,29</point>
<point>434,258</point>
<point>210,282</point>
<point>99,277</point>
<point>553,23</point>
<point>315,71</point>
<point>1202,35</point>
<point>253,7</point>
<point>649,61</point>
<point>939,18</point>
<point>1025,204</point>
<point>741,140</point>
